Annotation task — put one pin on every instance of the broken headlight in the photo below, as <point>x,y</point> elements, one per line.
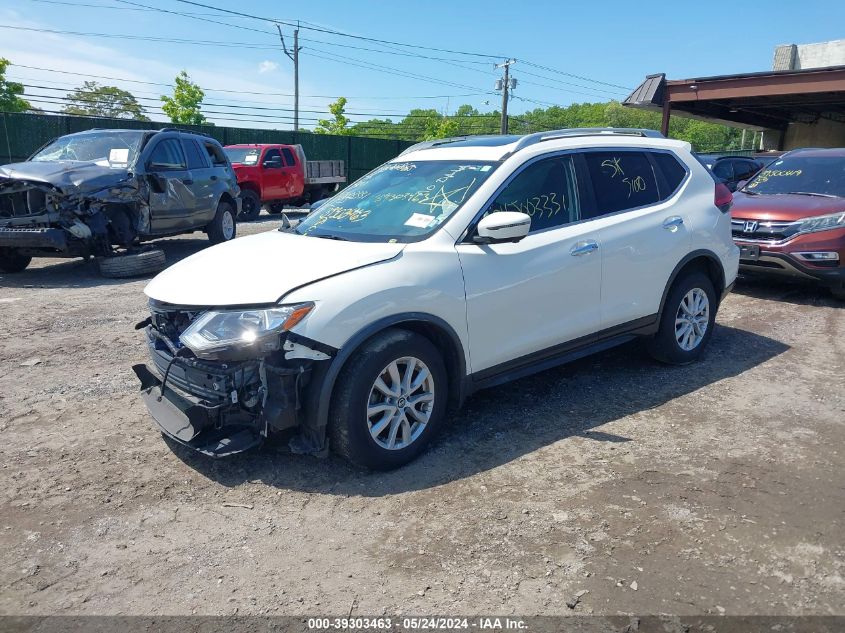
<point>237,334</point>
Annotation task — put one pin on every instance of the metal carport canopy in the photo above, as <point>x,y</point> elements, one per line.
<point>763,100</point>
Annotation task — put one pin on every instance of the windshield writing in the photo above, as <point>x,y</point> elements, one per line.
<point>816,174</point>
<point>398,201</point>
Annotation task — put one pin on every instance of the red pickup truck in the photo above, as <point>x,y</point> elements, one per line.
<point>276,175</point>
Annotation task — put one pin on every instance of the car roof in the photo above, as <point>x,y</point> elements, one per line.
<point>813,152</point>
<point>498,148</point>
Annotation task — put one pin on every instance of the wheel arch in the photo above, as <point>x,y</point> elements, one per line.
<point>702,260</point>
<point>435,329</point>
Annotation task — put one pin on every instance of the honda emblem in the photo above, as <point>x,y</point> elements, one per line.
<point>750,226</point>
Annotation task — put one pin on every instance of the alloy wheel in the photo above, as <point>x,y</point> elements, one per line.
<point>228,225</point>
<point>400,403</point>
<point>692,319</point>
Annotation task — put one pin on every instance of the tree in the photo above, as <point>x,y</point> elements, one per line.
<point>92,99</point>
<point>184,106</point>
<point>339,124</point>
<point>10,91</point>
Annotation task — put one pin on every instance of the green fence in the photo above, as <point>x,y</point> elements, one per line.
<point>22,133</point>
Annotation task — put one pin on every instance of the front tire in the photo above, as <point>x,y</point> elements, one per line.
<point>687,321</point>
<point>250,206</point>
<point>838,292</point>
<point>13,262</point>
<point>389,402</point>
<point>223,227</point>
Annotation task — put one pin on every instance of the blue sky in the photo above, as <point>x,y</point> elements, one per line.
<point>610,42</point>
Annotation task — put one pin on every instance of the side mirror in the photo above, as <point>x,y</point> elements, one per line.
<point>740,185</point>
<point>272,163</point>
<point>503,226</point>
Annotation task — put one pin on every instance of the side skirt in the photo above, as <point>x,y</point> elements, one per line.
<point>563,353</point>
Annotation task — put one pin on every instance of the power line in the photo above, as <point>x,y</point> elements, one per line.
<point>249,92</point>
<point>581,77</point>
<point>339,33</point>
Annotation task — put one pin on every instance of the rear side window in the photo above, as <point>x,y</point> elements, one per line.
<point>545,190</point>
<point>215,152</point>
<point>167,154</point>
<point>673,171</point>
<point>621,180</point>
<point>192,152</point>
<point>724,170</point>
<point>289,159</point>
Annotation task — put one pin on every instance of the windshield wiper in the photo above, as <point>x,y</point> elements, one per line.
<point>332,237</point>
<point>810,193</point>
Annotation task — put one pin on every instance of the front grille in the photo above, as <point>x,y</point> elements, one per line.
<point>763,231</point>
<point>20,204</point>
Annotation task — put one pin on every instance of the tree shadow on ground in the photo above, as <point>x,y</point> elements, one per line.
<point>502,424</point>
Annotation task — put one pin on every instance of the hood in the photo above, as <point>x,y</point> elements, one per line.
<point>260,269</point>
<point>783,207</point>
<point>69,177</point>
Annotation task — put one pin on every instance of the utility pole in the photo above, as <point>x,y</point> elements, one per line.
<point>294,56</point>
<point>505,84</point>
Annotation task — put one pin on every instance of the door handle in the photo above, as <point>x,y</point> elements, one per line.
<point>213,177</point>
<point>673,223</point>
<point>583,248</point>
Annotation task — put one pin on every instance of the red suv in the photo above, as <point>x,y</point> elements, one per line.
<point>789,220</point>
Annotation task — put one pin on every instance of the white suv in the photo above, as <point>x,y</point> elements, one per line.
<point>462,264</point>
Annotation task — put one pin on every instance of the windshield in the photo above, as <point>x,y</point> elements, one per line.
<point>823,175</point>
<point>401,202</point>
<point>115,149</point>
<point>243,155</point>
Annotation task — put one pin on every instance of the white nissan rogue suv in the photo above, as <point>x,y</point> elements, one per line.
<point>461,264</point>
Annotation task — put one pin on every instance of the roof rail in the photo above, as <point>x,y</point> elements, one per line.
<point>179,129</point>
<point>550,135</point>
<point>442,141</point>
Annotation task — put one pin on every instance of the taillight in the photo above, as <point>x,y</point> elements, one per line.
<point>723,197</point>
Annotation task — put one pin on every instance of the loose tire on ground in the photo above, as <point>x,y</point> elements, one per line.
<point>667,345</point>
<point>250,206</point>
<point>13,262</point>
<point>133,264</point>
<point>349,423</point>
<point>223,227</point>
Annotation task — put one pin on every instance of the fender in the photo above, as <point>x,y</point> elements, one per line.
<point>711,256</point>
<point>318,398</point>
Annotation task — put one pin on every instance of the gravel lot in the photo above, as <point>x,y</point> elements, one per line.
<point>714,488</point>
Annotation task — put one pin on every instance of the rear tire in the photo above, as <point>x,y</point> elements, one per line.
<point>13,262</point>
<point>687,320</point>
<point>363,415</point>
<point>133,264</point>
<point>223,227</point>
<point>275,208</point>
<point>250,206</point>
<point>838,292</point>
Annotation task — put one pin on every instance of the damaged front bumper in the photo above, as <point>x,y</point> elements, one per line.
<point>222,408</point>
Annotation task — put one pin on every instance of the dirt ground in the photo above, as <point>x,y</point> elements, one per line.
<point>714,488</point>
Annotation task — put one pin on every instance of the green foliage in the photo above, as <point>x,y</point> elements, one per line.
<point>339,124</point>
<point>184,106</point>
<point>10,91</point>
<point>430,124</point>
<point>92,99</point>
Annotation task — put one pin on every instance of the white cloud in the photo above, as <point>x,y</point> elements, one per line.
<point>267,66</point>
